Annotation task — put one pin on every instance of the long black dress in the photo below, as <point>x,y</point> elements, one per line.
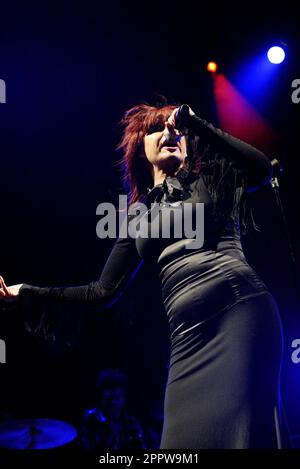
<point>225,329</point>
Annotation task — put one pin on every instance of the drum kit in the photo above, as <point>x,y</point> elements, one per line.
<point>36,434</point>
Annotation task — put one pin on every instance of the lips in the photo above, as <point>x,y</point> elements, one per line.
<point>169,145</point>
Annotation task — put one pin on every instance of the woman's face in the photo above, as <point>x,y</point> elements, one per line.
<point>165,147</point>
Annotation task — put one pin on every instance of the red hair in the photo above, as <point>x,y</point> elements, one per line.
<point>137,171</point>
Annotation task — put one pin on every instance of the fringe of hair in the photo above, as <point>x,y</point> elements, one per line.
<point>225,183</point>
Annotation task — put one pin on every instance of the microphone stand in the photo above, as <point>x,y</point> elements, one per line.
<point>277,169</point>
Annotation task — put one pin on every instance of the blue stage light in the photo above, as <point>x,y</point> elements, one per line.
<point>276,55</point>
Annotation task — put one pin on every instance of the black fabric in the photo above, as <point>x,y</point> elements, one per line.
<point>253,163</point>
<point>225,329</point>
<point>226,346</point>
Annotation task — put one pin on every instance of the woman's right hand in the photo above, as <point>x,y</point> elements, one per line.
<point>9,293</point>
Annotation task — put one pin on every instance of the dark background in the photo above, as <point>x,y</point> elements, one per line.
<point>71,70</point>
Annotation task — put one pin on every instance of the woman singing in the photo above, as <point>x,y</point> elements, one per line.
<point>225,329</point>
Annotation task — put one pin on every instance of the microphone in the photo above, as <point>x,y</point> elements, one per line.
<point>182,116</point>
<point>180,124</point>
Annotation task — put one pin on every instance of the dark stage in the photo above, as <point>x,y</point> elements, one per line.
<point>71,70</point>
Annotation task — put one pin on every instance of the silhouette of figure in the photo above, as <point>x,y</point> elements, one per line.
<point>109,425</point>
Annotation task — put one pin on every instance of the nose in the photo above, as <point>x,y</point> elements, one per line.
<point>171,134</point>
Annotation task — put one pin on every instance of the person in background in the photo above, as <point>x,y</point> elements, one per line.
<point>108,425</point>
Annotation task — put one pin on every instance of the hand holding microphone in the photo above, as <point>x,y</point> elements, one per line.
<point>179,116</point>
<point>178,120</point>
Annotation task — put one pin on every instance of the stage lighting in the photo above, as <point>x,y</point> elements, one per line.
<point>276,55</point>
<point>212,67</point>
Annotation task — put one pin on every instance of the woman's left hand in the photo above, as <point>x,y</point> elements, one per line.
<point>172,118</point>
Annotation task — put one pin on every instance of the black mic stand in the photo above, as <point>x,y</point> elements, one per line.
<point>277,170</point>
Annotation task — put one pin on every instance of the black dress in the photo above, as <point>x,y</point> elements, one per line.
<point>225,329</point>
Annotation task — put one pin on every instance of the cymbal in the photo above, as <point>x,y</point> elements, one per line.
<point>36,434</point>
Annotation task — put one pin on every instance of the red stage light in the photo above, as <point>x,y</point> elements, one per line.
<point>212,67</point>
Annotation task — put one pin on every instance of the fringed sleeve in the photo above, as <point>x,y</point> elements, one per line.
<point>230,168</point>
<point>255,165</point>
<point>40,305</point>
